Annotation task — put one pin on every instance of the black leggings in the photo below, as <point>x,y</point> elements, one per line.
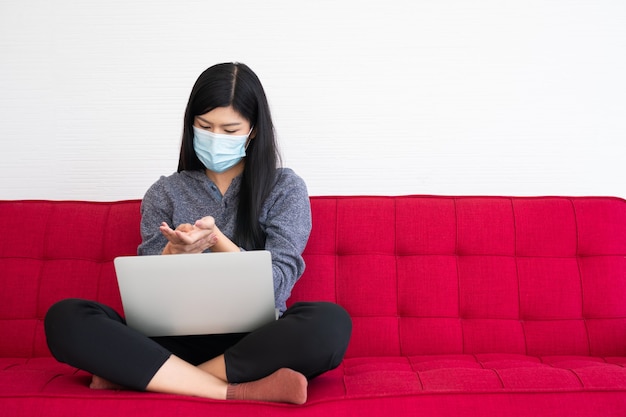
<point>310,338</point>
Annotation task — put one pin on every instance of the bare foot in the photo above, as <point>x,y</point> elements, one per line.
<point>101,383</point>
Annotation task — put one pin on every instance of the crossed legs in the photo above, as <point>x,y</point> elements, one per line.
<point>271,364</point>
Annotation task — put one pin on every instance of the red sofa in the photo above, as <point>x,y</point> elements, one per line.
<point>468,306</point>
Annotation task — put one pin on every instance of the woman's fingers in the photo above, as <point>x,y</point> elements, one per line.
<point>189,238</point>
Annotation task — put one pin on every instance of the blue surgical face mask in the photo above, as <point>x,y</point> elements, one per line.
<point>219,152</point>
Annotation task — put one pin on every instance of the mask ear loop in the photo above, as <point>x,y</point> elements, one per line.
<point>249,139</point>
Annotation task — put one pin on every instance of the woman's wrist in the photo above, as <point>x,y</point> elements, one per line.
<point>223,244</point>
<point>167,250</point>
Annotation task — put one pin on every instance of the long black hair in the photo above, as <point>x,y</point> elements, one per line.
<point>236,85</point>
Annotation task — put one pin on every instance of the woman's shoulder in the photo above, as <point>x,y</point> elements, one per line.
<point>287,177</point>
<point>289,190</point>
<point>175,181</point>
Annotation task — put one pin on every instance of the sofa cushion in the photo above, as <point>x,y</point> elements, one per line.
<point>433,384</point>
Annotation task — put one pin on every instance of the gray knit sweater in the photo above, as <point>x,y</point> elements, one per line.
<point>189,195</point>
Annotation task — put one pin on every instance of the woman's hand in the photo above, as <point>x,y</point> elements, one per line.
<point>219,242</point>
<point>196,238</point>
<point>189,238</point>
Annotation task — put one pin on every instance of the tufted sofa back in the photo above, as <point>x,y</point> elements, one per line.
<point>450,275</point>
<point>419,274</point>
<point>53,250</point>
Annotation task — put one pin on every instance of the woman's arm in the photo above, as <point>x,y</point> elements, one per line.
<point>156,208</point>
<point>287,224</point>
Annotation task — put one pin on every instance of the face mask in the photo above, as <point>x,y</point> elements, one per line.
<point>219,152</point>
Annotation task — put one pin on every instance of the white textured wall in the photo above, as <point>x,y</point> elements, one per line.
<point>369,97</point>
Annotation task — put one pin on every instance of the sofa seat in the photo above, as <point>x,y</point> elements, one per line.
<point>436,384</point>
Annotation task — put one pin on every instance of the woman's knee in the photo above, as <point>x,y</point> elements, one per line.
<point>324,314</point>
<point>71,318</point>
<point>340,323</point>
<point>67,311</point>
<point>71,309</point>
<point>60,313</point>
<point>58,321</point>
<point>328,324</point>
<point>335,317</point>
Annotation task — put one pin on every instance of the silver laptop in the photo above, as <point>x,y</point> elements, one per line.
<point>209,293</point>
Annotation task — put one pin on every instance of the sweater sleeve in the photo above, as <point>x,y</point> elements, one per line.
<point>155,208</point>
<point>287,227</point>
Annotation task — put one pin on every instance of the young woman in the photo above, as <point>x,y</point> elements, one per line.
<point>229,194</point>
